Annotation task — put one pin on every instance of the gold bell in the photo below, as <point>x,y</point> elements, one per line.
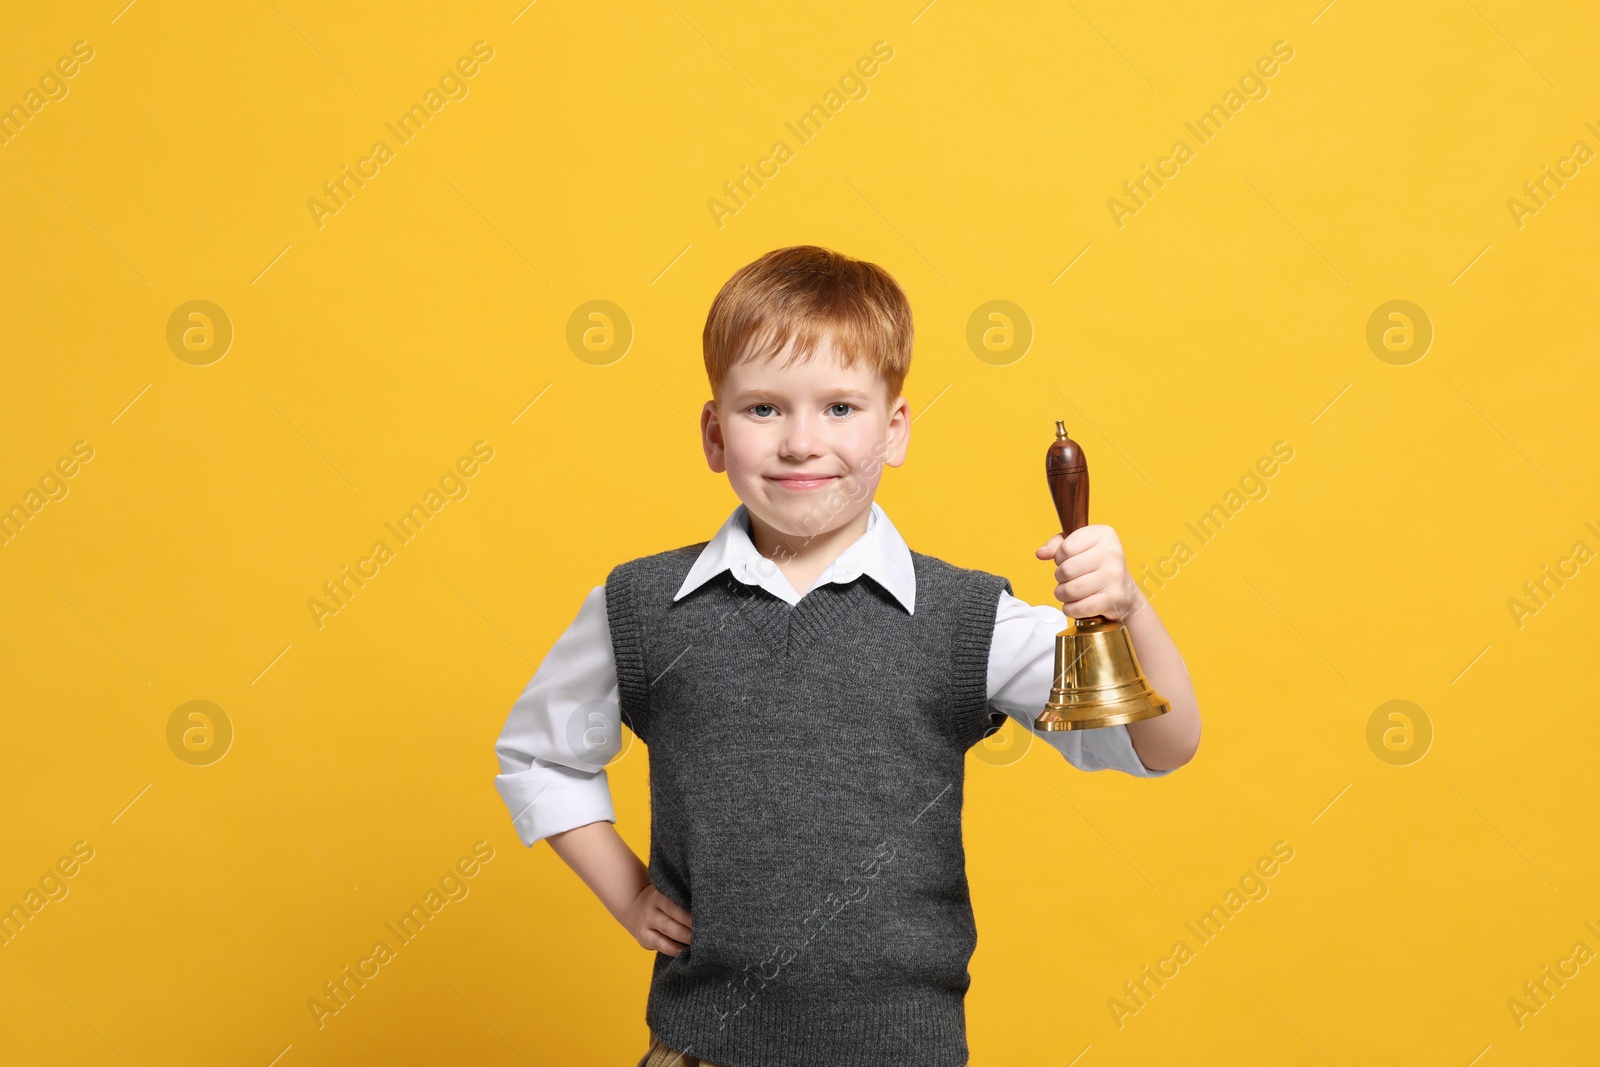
<point>1097,677</point>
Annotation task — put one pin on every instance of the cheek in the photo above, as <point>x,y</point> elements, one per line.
<point>866,452</point>
<point>745,447</point>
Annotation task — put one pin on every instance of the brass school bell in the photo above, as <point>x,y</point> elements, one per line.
<point>1097,677</point>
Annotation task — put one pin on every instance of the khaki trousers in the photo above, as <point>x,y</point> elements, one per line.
<point>662,1056</point>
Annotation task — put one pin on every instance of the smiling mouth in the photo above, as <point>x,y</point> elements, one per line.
<point>812,481</point>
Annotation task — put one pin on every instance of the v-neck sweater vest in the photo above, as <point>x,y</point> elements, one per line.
<point>806,767</point>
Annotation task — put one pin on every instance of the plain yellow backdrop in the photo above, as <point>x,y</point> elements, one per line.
<point>373,346</point>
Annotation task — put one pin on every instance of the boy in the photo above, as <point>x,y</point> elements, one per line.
<point>807,749</point>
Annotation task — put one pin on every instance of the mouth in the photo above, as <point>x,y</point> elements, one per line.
<point>802,481</point>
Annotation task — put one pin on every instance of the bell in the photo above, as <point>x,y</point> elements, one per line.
<point>1097,677</point>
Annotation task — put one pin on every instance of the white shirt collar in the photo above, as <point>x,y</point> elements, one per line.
<point>881,554</point>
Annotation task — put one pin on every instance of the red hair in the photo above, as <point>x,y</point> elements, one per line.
<point>801,293</point>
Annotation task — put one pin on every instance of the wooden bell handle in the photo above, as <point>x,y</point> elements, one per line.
<point>1068,473</point>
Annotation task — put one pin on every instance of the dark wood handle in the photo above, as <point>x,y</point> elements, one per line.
<point>1068,473</point>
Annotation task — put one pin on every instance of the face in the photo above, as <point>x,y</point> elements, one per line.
<point>804,446</point>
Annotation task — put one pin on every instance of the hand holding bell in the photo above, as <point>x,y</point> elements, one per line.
<point>1097,677</point>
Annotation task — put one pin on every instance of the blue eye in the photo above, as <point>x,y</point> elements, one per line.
<point>754,406</point>
<point>848,407</point>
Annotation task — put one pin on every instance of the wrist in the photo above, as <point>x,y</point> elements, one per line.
<point>1138,605</point>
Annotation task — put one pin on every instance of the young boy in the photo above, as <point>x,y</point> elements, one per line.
<point>806,894</point>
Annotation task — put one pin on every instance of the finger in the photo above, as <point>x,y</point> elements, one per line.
<point>1084,537</point>
<point>666,944</point>
<point>1049,548</point>
<point>674,929</point>
<point>1070,548</point>
<point>1078,589</point>
<point>677,913</point>
<point>1083,608</point>
<point>1077,566</point>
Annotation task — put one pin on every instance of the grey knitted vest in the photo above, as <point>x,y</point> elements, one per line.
<point>806,769</point>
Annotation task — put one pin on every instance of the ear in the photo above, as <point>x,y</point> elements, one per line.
<point>711,437</point>
<point>898,438</point>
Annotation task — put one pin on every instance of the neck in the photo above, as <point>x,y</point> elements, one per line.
<point>807,552</point>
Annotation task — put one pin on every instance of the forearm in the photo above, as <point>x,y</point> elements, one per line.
<point>1169,740</point>
<point>605,863</point>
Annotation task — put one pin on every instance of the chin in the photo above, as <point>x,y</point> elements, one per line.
<point>790,521</point>
<point>787,519</point>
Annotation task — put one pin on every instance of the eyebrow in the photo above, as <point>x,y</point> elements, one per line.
<point>750,395</point>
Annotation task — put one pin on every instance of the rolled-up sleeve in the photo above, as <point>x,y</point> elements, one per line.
<point>1022,663</point>
<point>561,732</point>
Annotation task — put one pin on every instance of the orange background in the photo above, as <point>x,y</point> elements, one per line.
<point>343,770</point>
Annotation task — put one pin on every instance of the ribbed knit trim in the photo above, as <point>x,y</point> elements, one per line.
<point>790,628</point>
<point>771,1030</point>
<point>973,638</point>
<point>627,646</point>
<point>762,611</point>
<point>819,610</point>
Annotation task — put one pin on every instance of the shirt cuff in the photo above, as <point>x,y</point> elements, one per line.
<point>1021,674</point>
<point>1100,749</point>
<point>548,798</point>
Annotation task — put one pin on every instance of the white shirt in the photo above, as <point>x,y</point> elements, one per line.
<point>553,780</point>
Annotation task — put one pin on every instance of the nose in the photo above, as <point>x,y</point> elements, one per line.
<point>798,440</point>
